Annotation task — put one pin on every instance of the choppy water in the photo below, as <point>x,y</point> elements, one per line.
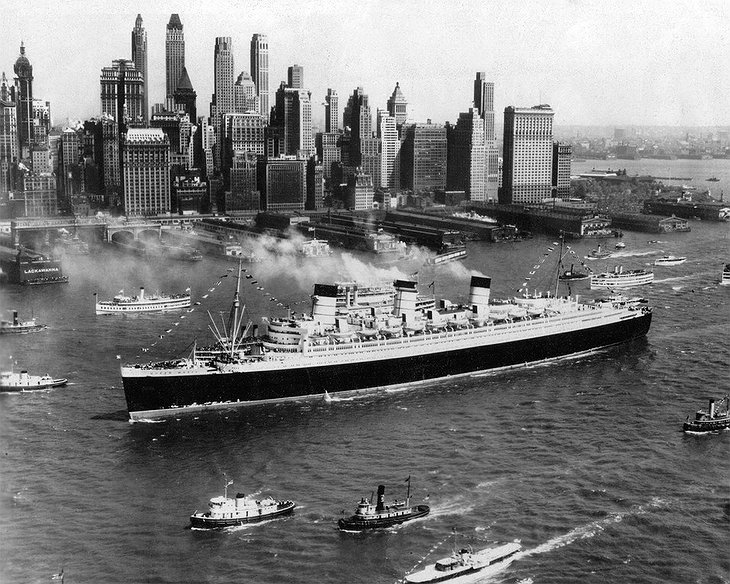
<point>583,461</point>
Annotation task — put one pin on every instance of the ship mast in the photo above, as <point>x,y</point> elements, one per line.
<point>560,263</point>
<point>234,320</point>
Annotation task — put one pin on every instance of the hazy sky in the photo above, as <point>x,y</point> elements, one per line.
<point>663,62</point>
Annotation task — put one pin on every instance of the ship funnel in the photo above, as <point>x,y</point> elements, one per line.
<point>405,299</point>
<point>479,295</point>
<point>712,408</point>
<point>381,499</point>
<point>141,293</point>
<point>324,303</point>
<point>15,317</point>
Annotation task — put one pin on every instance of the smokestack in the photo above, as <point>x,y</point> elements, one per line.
<point>712,408</point>
<point>479,291</point>
<point>381,499</point>
<point>15,317</point>
<point>405,299</point>
<point>141,293</point>
<point>324,303</point>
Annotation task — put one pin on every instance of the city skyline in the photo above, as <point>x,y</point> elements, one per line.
<point>625,64</point>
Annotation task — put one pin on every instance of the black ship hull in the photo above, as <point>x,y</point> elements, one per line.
<point>356,523</point>
<point>164,395</point>
<point>707,425</point>
<point>203,522</point>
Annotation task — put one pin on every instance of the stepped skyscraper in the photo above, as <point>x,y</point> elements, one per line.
<point>174,53</point>
<point>260,71</point>
<point>24,102</point>
<point>139,57</point>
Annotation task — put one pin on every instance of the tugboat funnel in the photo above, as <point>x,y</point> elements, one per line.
<point>15,317</point>
<point>381,499</point>
<point>712,408</point>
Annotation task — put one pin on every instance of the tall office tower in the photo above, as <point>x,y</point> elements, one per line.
<point>285,184</point>
<point>331,112</point>
<point>293,116</point>
<point>315,185</point>
<point>122,92</point>
<point>223,96</point>
<point>185,95</point>
<point>398,106</point>
<point>39,191</point>
<point>328,151</point>
<point>484,104</point>
<point>389,151</point>
<point>244,94</point>
<point>360,191</point>
<point>466,168</point>
<point>174,53</point>
<point>242,133</point>
<point>111,159</point>
<point>562,153</point>
<point>207,142</point>
<point>360,121</point>
<point>260,71</point>
<point>139,58</point>
<point>146,158</point>
<point>70,178</point>
<point>24,102</point>
<point>243,193</point>
<point>8,134</point>
<point>41,121</point>
<point>295,77</point>
<point>528,154</point>
<point>423,157</point>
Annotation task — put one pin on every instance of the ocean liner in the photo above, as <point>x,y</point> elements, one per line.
<point>331,351</point>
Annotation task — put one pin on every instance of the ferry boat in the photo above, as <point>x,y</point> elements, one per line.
<point>315,248</point>
<point>670,260</point>
<point>28,268</point>
<point>725,278</point>
<point>307,355</point>
<point>465,566</point>
<point>621,278</point>
<point>228,512</point>
<point>152,303</point>
<point>10,381</point>
<point>448,254</point>
<point>379,515</point>
<point>717,417</point>
<point>17,326</point>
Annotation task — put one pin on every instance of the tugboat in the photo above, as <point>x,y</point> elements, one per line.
<point>369,516</point>
<point>573,274</point>
<point>20,326</point>
<point>225,512</point>
<point>10,381</point>
<point>464,566</point>
<point>598,253</point>
<point>717,417</point>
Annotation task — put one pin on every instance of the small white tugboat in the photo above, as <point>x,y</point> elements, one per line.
<point>465,566</point>
<point>226,512</point>
<point>10,381</point>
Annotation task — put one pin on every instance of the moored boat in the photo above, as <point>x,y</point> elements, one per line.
<point>716,417</point>
<point>369,515</point>
<point>11,381</point>
<point>224,511</point>
<point>464,566</point>
<point>17,326</point>
<point>621,278</point>
<point>143,303</point>
<point>670,260</point>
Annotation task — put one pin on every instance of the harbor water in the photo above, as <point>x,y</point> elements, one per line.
<point>582,460</point>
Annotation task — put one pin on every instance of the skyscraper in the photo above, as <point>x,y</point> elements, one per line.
<point>562,154</point>
<point>185,95</point>
<point>528,154</point>
<point>139,57</point>
<point>423,157</point>
<point>146,156</point>
<point>295,77</point>
<point>363,145</point>
<point>389,151</point>
<point>484,104</point>
<point>223,96</point>
<point>122,92</point>
<point>467,156</point>
<point>8,134</point>
<point>331,112</point>
<point>174,53</point>
<point>260,70</point>
<point>24,102</point>
<point>397,106</point>
<point>293,116</point>
<point>244,94</point>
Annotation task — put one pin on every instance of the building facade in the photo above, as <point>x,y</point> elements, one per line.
<point>185,96</point>
<point>139,58</point>
<point>260,70</point>
<point>23,97</point>
<point>295,77</point>
<point>390,144</point>
<point>243,194</point>
<point>244,94</point>
<point>146,163</point>
<point>174,53</point>
<point>360,191</point>
<point>484,104</point>
<point>562,154</point>
<point>285,184</point>
<point>8,134</point>
<point>423,157</point>
<point>467,165</point>
<point>528,155</point>
<point>39,191</point>
<point>122,92</point>
<point>328,151</point>
<point>293,116</point>
<point>331,112</point>
<point>398,106</point>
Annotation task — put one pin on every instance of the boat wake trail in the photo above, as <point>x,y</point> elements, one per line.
<point>455,506</point>
<point>591,529</point>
